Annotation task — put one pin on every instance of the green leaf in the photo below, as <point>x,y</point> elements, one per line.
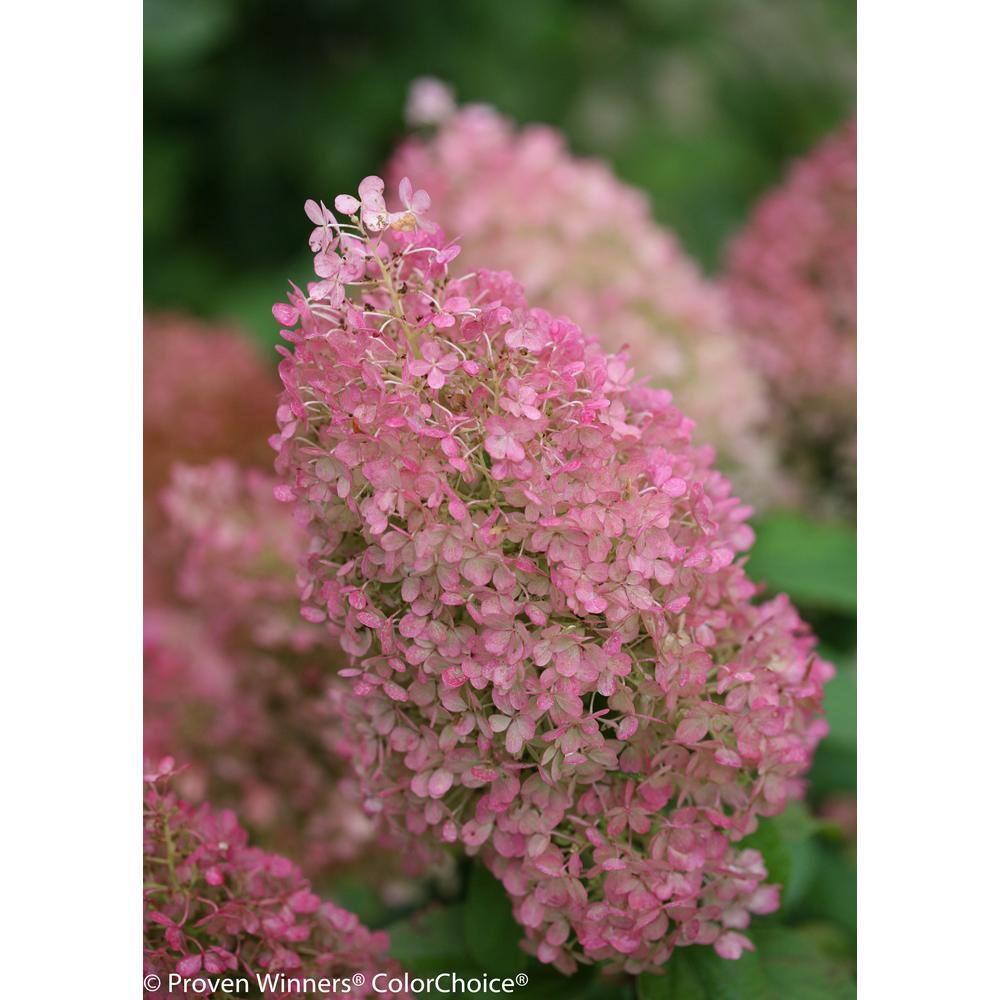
<point>431,942</point>
<point>834,892</point>
<point>836,942</point>
<point>680,980</point>
<point>834,769</point>
<point>791,964</point>
<point>491,934</point>
<point>835,766</point>
<point>805,864</point>
<point>545,983</point>
<point>786,966</point>
<point>796,823</point>
<point>435,941</point>
<point>777,856</point>
<point>840,700</point>
<point>814,562</point>
<point>786,842</point>
<point>355,894</point>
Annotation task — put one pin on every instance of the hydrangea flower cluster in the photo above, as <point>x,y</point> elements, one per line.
<point>206,393</point>
<point>557,661</point>
<point>237,553</point>
<point>792,282</point>
<point>213,905</point>
<point>585,244</point>
<point>234,680</point>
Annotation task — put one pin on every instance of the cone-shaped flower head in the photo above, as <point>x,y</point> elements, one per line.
<point>557,657</point>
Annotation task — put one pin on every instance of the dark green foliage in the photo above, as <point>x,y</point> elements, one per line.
<point>788,965</point>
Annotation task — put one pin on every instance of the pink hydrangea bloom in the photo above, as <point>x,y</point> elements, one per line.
<point>374,215</point>
<point>235,679</point>
<point>585,244</point>
<point>206,393</point>
<point>557,660</point>
<point>213,905</point>
<point>792,283</point>
<point>236,553</point>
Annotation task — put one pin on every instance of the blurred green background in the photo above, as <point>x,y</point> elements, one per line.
<point>251,106</point>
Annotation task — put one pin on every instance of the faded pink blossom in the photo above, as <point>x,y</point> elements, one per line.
<point>792,281</point>
<point>206,393</point>
<point>236,680</point>
<point>435,363</point>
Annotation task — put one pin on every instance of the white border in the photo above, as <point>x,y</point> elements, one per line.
<point>71,75</point>
<point>928,499</point>
<point>928,511</point>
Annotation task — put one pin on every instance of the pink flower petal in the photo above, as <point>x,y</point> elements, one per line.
<point>346,204</point>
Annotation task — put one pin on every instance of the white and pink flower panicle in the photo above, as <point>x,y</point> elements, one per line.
<point>584,243</point>
<point>557,660</point>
